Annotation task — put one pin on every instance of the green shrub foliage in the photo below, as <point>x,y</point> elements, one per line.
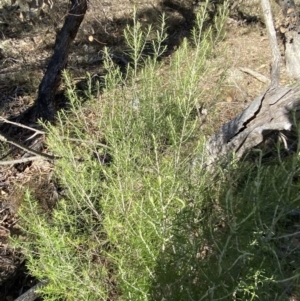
<point>135,219</point>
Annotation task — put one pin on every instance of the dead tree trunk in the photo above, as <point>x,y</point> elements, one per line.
<point>268,113</point>
<point>291,30</point>
<point>44,105</point>
<point>271,112</point>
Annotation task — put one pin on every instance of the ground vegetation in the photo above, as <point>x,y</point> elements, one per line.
<point>118,210</point>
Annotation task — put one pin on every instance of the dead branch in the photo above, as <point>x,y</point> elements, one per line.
<point>269,113</point>
<point>291,29</point>
<point>25,148</point>
<point>275,71</point>
<point>37,132</point>
<point>23,160</point>
<point>31,294</point>
<point>256,75</point>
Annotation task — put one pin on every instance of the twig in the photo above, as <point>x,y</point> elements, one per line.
<point>257,75</point>
<point>23,160</point>
<point>275,72</point>
<point>21,125</point>
<point>86,141</point>
<point>31,294</point>
<point>25,148</point>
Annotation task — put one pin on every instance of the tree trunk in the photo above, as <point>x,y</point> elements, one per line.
<point>269,113</point>
<point>45,105</point>
<point>291,30</point>
<point>272,112</point>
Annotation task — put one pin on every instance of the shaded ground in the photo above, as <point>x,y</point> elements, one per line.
<point>25,49</point>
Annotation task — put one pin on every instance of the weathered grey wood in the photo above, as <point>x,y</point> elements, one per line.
<point>256,75</point>
<point>271,111</point>
<point>292,55</point>
<point>286,5</point>
<point>291,30</point>
<point>275,72</point>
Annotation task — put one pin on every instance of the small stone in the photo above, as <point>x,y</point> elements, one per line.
<point>229,99</point>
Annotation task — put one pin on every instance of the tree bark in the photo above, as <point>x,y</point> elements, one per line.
<point>269,113</point>
<point>291,30</point>
<point>286,5</point>
<point>45,103</point>
<point>272,112</point>
<point>275,71</point>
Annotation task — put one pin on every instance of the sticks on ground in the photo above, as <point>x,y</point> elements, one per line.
<point>31,294</point>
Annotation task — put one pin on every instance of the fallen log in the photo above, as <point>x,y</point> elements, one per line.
<point>271,112</point>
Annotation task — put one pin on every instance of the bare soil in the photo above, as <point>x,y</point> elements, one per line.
<point>25,49</point>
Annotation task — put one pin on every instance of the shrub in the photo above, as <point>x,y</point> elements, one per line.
<point>136,221</point>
